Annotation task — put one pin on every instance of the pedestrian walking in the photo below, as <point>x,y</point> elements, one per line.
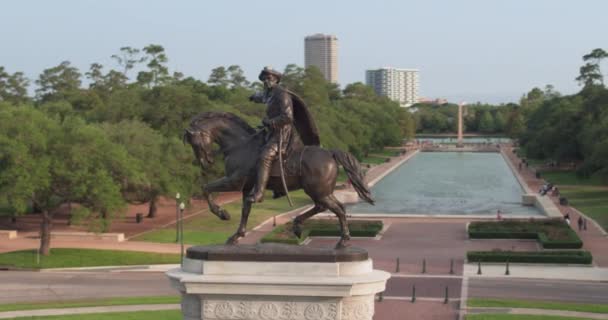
<point>580,223</point>
<point>567,218</point>
<point>584,223</point>
<point>498,215</point>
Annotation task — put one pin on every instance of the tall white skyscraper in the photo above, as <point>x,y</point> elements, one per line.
<point>321,50</point>
<point>400,85</point>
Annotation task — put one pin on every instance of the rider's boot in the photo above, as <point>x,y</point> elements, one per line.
<point>257,195</point>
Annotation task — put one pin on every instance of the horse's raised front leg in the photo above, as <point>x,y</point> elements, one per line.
<point>240,232</point>
<point>224,184</point>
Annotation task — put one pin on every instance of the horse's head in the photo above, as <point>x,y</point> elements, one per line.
<point>201,143</point>
<point>222,128</point>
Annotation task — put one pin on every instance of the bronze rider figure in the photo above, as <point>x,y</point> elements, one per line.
<point>279,122</point>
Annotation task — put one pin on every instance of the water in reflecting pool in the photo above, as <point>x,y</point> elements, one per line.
<point>449,183</point>
<point>448,140</point>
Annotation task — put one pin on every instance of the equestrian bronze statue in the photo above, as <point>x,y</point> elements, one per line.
<point>282,156</point>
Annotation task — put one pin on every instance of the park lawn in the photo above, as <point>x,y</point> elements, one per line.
<point>592,201</point>
<point>548,305</point>
<point>385,153</point>
<point>139,315</point>
<point>209,229</point>
<point>374,160</point>
<point>123,301</point>
<point>569,178</point>
<point>490,316</point>
<point>74,258</point>
<point>197,237</point>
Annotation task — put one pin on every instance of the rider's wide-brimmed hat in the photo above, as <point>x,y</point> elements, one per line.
<point>269,70</point>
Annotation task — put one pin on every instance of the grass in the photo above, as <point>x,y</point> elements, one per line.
<point>385,153</point>
<point>209,229</point>
<point>72,258</point>
<point>123,301</point>
<point>140,315</point>
<point>570,178</point>
<point>592,201</point>
<point>547,305</point>
<point>374,160</point>
<point>518,317</point>
<point>190,236</point>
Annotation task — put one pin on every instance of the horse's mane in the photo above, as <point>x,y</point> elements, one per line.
<point>218,115</point>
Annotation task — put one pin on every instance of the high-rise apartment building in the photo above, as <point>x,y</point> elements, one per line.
<point>399,85</point>
<point>321,50</point>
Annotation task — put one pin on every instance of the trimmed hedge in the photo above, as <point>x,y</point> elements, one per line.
<point>573,242</point>
<point>574,257</point>
<point>323,228</point>
<point>551,233</point>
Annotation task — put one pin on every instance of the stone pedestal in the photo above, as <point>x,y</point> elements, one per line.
<point>273,281</point>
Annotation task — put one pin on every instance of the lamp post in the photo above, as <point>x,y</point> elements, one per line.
<point>177,196</point>
<point>182,206</point>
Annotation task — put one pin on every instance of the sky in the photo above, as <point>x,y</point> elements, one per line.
<point>467,50</point>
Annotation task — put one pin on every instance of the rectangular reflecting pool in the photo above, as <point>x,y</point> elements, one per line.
<point>449,183</point>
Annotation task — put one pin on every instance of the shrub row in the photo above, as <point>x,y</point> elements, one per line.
<point>323,228</point>
<point>551,233</point>
<point>574,242</point>
<point>574,257</point>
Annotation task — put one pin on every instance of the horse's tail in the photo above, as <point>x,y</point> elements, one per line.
<point>353,171</point>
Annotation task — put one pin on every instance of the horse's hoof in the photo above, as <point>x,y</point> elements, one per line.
<point>341,245</point>
<point>232,240</point>
<point>297,230</point>
<point>224,215</point>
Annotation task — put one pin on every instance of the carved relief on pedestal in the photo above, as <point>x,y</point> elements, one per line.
<point>224,310</point>
<point>314,312</point>
<point>264,310</point>
<point>361,309</point>
<point>268,311</point>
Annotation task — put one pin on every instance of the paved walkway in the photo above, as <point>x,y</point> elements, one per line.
<point>87,310</point>
<point>516,270</point>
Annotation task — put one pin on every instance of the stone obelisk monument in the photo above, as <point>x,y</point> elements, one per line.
<point>460,143</point>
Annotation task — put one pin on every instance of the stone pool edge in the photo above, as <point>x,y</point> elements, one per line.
<point>545,205</point>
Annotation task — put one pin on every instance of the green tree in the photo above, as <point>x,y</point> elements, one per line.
<point>158,72</point>
<point>165,168</point>
<point>237,77</point>
<point>219,77</point>
<point>591,74</point>
<point>48,164</point>
<point>486,122</point>
<point>58,82</point>
<point>128,58</point>
<point>499,122</point>
<point>13,87</point>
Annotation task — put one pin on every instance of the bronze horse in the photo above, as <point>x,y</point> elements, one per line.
<point>316,169</point>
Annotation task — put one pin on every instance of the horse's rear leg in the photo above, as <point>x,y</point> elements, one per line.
<point>337,208</point>
<point>297,222</point>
